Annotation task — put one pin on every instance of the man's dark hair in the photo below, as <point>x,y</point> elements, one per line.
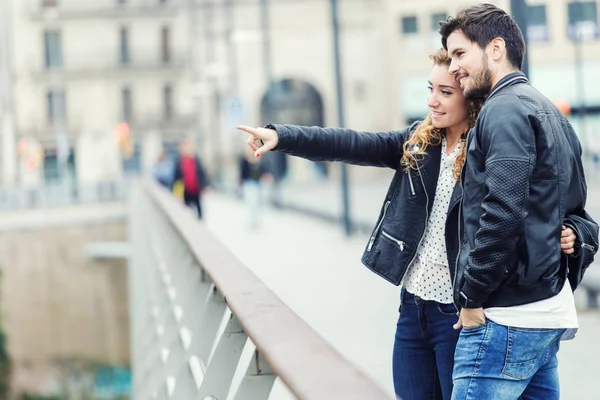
<point>482,24</point>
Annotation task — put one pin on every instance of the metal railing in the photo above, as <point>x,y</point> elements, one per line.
<point>65,194</point>
<point>193,308</point>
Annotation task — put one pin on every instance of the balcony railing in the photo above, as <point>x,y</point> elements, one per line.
<point>195,309</point>
<point>78,9</point>
<point>159,121</point>
<point>83,67</point>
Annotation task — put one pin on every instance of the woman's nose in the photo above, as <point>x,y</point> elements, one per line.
<point>432,101</point>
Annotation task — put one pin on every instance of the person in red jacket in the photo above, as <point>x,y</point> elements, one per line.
<point>190,171</point>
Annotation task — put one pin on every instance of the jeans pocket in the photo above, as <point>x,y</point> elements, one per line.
<point>524,348</point>
<point>474,328</point>
<point>520,370</point>
<point>447,309</point>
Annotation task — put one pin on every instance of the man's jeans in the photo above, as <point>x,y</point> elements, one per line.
<point>504,363</point>
<point>424,349</point>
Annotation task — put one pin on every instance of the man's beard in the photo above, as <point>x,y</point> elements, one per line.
<point>481,84</point>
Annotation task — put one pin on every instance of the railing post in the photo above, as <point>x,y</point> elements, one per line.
<point>207,324</point>
<point>224,362</point>
<point>258,381</point>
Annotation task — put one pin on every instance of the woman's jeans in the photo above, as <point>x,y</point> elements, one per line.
<point>424,349</point>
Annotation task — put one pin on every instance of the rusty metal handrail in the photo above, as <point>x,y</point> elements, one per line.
<point>309,366</point>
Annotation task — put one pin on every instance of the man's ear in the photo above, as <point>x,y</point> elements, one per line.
<point>497,48</point>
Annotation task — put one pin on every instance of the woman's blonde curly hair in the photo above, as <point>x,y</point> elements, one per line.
<point>427,135</point>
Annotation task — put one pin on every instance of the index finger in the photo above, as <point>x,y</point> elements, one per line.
<point>247,129</point>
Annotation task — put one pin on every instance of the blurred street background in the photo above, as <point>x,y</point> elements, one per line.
<point>96,94</point>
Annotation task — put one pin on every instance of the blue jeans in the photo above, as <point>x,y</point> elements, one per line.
<point>424,349</point>
<point>504,363</point>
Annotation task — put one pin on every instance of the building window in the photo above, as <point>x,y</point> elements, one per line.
<point>583,20</point>
<point>132,164</point>
<point>127,104</point>
<point>52,49</point>
<point>124,46</point>
<point>436,19</point>
<point>51,166</point>
<point>165,39</point>
<point>409,25</point>
<point>49,3</point>
<point>167,102</point>
<point>56,106</point>
<point>537,27</point>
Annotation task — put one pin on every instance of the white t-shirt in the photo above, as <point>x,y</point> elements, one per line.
<point>557,312</point>
<point>429,276</point>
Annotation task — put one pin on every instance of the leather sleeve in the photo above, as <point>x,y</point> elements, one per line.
<point>507,141</point>
<point>382,149</point>
<point>586,246</point>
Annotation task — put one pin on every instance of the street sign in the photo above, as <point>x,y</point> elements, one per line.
<point>583,30</point>
<point>234,111</point>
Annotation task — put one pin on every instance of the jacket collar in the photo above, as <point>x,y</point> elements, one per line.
<point>508,80</point>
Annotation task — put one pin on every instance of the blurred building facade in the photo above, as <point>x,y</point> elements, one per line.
<point>175,68</point>
<point>97,86</point>
<point>384,55</point>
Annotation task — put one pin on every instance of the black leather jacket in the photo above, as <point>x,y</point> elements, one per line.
<point>407,204</point>
<point>523,174</point>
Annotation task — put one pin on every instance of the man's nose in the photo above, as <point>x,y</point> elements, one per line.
<point>453,68</point>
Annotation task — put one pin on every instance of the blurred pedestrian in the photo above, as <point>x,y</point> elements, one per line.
<point>416,239</point>
<point>252,176</point>
<point>190,171</point>
<point>163,170</point>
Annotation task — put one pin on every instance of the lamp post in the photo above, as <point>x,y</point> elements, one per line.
<point>519,11</point>
<point>340,110</point>
<point>7,131</point>
<point>276,160</point>
<point>580,87</point>
<point>266,37</point>
<point>194,60</point>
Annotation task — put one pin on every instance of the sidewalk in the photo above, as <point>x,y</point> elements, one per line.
<point>366,198</point>
<point>315,270</point>
<point>324,198</point>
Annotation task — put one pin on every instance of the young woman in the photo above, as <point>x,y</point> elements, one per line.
<point>416,239</point>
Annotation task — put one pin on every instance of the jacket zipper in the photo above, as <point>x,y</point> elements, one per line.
<point>410,182</point>
<point>462,195</point>
<point>393,239</point>
<point>587,246</point>
<point>426,219</point>
<point>372,240</point>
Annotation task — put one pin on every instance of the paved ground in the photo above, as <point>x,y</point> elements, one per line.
<point>366,197</point>
<point>317,271</point>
